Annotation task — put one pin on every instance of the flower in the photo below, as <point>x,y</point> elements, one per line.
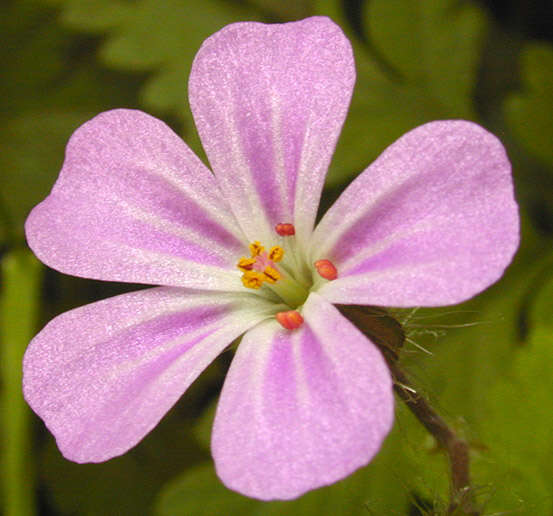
<point>308,398</point>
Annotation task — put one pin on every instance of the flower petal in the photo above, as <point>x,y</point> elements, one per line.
<point>301,409</point>
<point>103,375</point>
<point>269,102</point>
<point>133,203</point>
<point>432,221</point>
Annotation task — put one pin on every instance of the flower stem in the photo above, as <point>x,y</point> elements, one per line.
<point>456,448</point>
<point>21,274</point>
<point>387,333</point>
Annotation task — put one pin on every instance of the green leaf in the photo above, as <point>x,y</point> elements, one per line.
<point>529,112</point>
<point>33,149</point>
<point>126,484</point>
<point>45,95</point>
<point>521,453</point>
<point>156,36</point>
<point>200,493</point>
<point>30,55</point>
<point>434,45</point>
<point>419,65</point>
<point>95,16</point>
<point>285,10</point>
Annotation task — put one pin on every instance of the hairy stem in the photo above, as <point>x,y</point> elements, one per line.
<point>456,448</point>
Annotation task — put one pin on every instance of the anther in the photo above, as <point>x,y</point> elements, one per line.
<point>285,229</point>
<point>326,269</point>
<point>276,253</point>
<point>271,274</point>
<point>246,264</point>
<point>290,319</point>
<point>256,248</point>
<point>253,279</point>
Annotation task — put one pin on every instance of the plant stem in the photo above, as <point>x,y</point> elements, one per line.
<point>21,274</point>
<point>456,448</point>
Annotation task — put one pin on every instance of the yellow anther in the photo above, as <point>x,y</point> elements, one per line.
<point>276,253</point>
<point>256,248</point>
<point>253,279</point>
<point>245,264</point>
<point>271,274</point>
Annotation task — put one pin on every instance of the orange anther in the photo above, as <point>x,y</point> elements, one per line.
<point>253,279</point>
<point>256,249</point>
<point>285,229</point>
<point>276,253</point>
<point>326,269</point>
<point>271,274</point>
<point>290,319</point>
<point>245,264</point>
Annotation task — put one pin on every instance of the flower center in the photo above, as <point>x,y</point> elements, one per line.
<point>261,269</point>
<point>291,280</point>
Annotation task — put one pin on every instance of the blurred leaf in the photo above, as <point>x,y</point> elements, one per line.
<point>418,65</point>
<point>285,11</point>
<point>200,493</point>
<point>50,86</point>
<point>159,36</point>
<point>434,45</point>
<point>521,454</point>
<point>33,149</point>
<point>529,113</point>
<point>204,424</point>
<point>94,16</point>
<point>124,485</point>
<point>30,53</point>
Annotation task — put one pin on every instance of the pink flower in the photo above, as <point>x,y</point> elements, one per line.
<point>431,222</point>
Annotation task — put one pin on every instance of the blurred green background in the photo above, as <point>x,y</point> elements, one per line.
<point>486,365</point>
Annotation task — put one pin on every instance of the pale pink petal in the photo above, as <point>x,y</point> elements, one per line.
<point>133,203</point>
<point>103,375</point>
<point>269,102</point>
<point>433,221</point>
<point>301,409</point>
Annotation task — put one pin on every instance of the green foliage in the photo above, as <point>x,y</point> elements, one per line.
<point>124,485</point>
<point>156,36</point>
<point>199,493</point>
<point>45,95</point>
<point>518,425</point>
<point>34,144</point>
<point>529,112</point>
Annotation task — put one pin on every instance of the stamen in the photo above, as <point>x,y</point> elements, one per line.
<point>271,274</point>
<point>256,248</point>
<point>326,269</point>
<point>285,229</point>
<point>245,264</point>
<point>261,269</point>
<point>276,253</point>
<point>290,320</point>
<point>253,279</point>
